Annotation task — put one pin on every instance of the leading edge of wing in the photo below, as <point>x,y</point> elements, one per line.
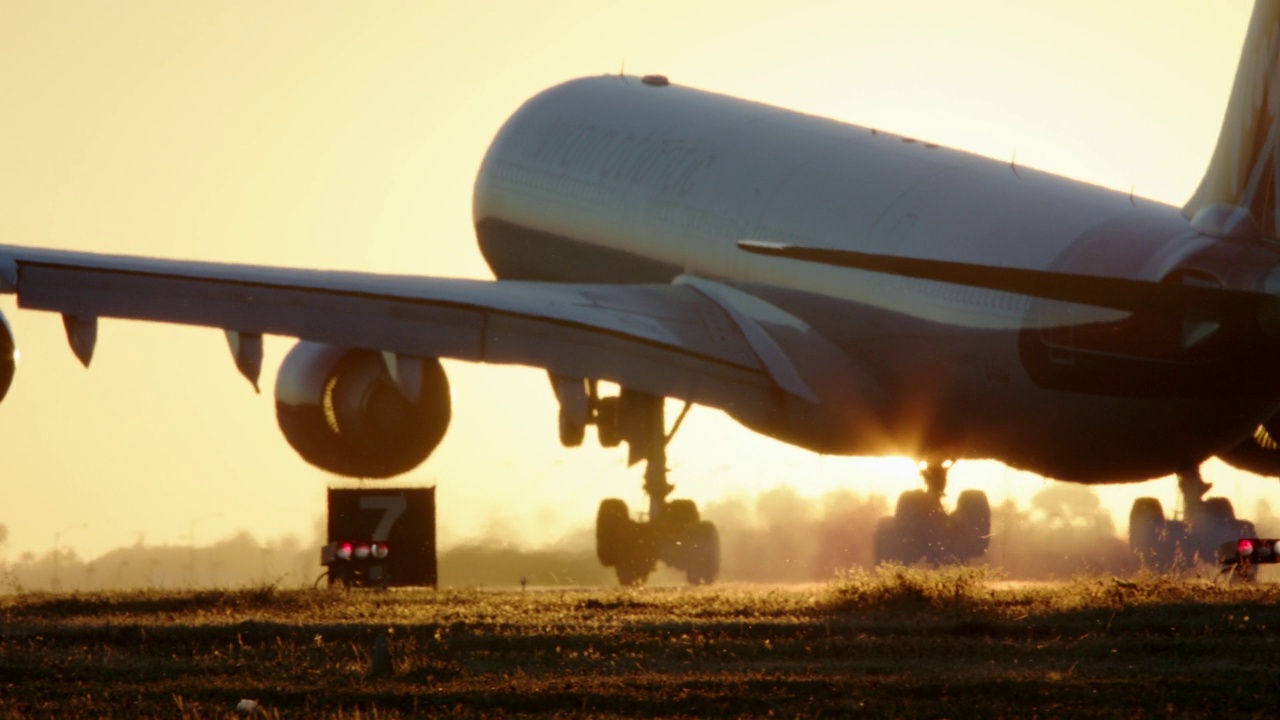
<point>664,339</point>
<point>1124,294</point>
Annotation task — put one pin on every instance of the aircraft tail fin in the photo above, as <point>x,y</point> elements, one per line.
<point>1240,185</point>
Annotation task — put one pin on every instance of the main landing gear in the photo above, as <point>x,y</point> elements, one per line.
<point>673,532</point>
<point>921,531</point>
<point>1173,545</point>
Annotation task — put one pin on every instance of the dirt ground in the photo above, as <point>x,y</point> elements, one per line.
<point>891,643</point>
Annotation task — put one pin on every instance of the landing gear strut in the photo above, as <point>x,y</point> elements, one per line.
<point>921,531</point>
<point>674,533</point>
<point>1173,545</point>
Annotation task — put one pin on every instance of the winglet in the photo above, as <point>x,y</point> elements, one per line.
<point>1243,170</point>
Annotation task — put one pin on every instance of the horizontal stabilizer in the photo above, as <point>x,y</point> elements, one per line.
<point>1108,292</point>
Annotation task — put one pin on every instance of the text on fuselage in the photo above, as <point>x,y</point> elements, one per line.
<point>662,164</point>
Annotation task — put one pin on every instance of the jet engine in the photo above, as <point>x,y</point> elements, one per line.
<point>8,356</point>
<point>360,413</point>
<point>1259,454</point>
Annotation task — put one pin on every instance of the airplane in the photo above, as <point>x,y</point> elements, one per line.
<point>840,288</point>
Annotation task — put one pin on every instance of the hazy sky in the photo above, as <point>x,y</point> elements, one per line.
<point>347,135</point>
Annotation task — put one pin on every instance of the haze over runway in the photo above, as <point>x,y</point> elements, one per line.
<point>347,137</point>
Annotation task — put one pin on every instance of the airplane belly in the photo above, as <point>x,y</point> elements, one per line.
<point>964,393</point>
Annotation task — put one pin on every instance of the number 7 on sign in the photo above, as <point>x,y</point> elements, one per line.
<point>392,507</point>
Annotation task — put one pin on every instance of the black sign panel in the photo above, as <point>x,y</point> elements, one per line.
<point>384,536</point>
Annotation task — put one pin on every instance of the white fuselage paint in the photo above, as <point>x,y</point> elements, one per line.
<point>673,177</point>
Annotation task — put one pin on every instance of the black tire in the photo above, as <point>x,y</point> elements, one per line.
<point>636,558</point>
<point>921,526</point>
<point>682,514</point>
<point>1156,542</point>
<point>677,532</point>
<point>970,526</point>
<point>1178,549</point>
<point>607,429</point>
<point>1220,507</point>
<point>1211,523</point>
<point>612,520</point>
<point>703,554</point>
<point>572,432</point>
<point>1146,527</point>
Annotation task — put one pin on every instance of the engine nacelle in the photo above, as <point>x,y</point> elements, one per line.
<point>8,356</point>
<point>344,412</point>
<point>1259,454</point>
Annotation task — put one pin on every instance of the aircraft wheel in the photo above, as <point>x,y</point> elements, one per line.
<point>635,554</point>
<point>1147,535</point>
<point>678,530</point>
<point>970,525</point>
<point>607,429</point>
<point>1213,524</point>
<point>611,524</point>
<point>572,430</point>
<point>703,559</point>
<point>682,514</point>
<point>1178,546</point>
<point>921,527</point>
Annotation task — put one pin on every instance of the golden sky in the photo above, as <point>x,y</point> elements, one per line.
<point>347,135</point>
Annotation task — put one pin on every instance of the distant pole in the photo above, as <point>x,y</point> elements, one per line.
<point>191,541</point>
<point>55,582</point>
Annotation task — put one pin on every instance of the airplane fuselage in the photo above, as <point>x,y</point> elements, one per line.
<point>612,179</point>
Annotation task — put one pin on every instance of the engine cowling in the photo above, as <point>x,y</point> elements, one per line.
<point>8,356</point>
<point>343,411</point>
<point>1259,454</point>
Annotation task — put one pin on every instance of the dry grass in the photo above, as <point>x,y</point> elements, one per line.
<point>890,643</point>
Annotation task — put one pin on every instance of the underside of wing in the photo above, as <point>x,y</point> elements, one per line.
<point>668,340</point>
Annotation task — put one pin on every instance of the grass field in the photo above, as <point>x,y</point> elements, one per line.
<point>889,643</point>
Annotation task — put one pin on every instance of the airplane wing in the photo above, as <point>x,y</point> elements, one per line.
<point>676,341</point>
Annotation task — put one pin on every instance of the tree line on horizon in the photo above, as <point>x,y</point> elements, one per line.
<point>776,537</point>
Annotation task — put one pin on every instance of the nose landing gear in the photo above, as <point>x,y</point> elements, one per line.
<point>921,531</point>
